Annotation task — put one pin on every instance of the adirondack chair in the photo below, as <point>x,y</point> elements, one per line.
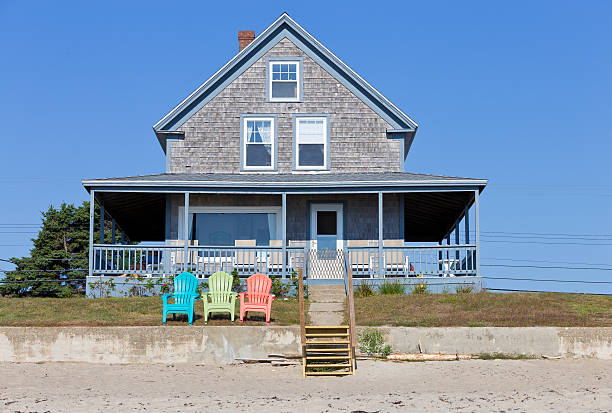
<point>185,296</point>
<point>258,295</point>
<point>220,294</point>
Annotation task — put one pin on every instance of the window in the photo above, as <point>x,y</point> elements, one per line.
<point>284,80</point>
<point>258,143</point>
<point>311,142</point>
<point>224,225</point>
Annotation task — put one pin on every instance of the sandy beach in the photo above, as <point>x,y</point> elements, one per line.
<point>462,386</point>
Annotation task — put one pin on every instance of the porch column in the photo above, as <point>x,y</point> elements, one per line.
<point>186,231</point>
<point>477,228</point>
<point>469,259</point>
<point>101,223</point>
<point>467,224</point>
<point>457,242</point>
<point>284,231</point>
<point>91,230</point>
<point>381,270</point>
<point>113,224</point>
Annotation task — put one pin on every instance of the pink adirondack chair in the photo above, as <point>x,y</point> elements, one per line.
<point>258,297</point>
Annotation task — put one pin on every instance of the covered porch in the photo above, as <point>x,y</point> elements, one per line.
<point>377,225</point>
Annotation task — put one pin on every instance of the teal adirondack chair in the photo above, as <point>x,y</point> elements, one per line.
<point>219,298</point>
<point>185,296</point>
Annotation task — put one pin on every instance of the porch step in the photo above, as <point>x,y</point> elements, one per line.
<point>328,351</point>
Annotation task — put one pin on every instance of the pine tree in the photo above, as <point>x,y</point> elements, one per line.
<point>61,252</point>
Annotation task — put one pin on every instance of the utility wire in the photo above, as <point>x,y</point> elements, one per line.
<point>554,267</point>
<point>544,280</point>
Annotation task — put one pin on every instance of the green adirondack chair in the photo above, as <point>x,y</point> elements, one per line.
<point>185,296</point>
<point>219,298</point>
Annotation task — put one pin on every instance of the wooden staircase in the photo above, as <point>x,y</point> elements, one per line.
<point>328,351</point>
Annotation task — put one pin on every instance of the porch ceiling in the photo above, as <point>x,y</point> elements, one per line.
<point>428,216</point>
<point>140,215</point>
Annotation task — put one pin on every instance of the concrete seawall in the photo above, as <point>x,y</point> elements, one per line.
<point>222,345</point>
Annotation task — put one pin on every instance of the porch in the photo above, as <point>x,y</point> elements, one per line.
<point>378,225</point>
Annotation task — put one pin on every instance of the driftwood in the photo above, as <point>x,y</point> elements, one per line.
<point>428,357</point>
<point>286,356</point>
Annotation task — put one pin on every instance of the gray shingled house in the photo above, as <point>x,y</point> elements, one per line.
<point>285,159</point>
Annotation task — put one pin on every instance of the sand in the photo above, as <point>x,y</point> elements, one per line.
<point>462,386</point>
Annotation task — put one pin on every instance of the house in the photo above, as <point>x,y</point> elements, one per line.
<point>285,159</point>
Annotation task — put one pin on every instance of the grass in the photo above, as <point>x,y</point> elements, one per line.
<point>141,311</point>
<point>484,309</point>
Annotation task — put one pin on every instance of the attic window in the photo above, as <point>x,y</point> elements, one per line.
<point>284,80</point>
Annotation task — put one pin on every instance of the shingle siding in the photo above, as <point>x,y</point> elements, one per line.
<point>360,213</point>
<point>358,134</point>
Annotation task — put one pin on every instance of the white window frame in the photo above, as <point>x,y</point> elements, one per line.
<point>298,80</point>
<point>244,141</point>
<point>298,118</point>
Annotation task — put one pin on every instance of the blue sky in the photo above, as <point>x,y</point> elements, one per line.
<point>519,93</point>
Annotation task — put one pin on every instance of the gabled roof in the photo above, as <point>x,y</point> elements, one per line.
<point>283,27</point>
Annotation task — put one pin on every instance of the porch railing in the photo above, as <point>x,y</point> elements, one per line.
<point>365,262</point>
<point>202,261</point>
<point>419,261</point>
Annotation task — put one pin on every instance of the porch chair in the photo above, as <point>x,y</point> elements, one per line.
<point>275,263</point>
<point>258,297</point>
<point>394,259</point>
<point>360,259</point>
<point>177,257</point>
<point>246,259</point>
<point>185,296</point>
<point>222,298</point>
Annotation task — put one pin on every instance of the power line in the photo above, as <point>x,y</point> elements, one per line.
<point>546,280</point>
<point>554,267</point>
<point>541,291</point>
<point>543,261</point>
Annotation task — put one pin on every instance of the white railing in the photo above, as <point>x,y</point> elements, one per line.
<point>202,261</point>
<point>424,261</point>
<point>365,262</point>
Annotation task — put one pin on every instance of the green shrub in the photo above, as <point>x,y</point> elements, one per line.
<point>465,289</point>
<point>364,290</point>
<point>295,285</point>
<point>391,287</point>
<point>420,288</point>
<point>279,288</point>
<point>372,342</point>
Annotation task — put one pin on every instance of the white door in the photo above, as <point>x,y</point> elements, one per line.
<point>326,238</point>
<point>326,227</point>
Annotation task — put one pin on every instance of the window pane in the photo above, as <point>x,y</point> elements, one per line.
<point>311,131</point>
<point>284,68</point>
<point>225,229</point>
<point>326,223</point>
<point>259,131</point>
<point>284,89</point>
<point>276,68</point>
<point>258,155</point>
<point>284,76</point>
<point>292,68</point>
<point>311,155</point>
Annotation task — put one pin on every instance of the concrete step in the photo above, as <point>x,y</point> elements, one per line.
<point>337,288</point>
<point>323,306</point>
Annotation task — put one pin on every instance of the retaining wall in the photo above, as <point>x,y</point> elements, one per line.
<point>223,345</point>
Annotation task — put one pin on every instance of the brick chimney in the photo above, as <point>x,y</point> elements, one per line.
<point>245,38</point>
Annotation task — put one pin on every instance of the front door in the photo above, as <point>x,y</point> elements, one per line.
<point>326,241</point>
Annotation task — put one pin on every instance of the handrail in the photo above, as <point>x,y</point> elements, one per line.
<point>302,315</point>
<point>348,284</point>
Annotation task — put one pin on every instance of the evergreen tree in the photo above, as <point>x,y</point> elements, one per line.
<point>61,252</point>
